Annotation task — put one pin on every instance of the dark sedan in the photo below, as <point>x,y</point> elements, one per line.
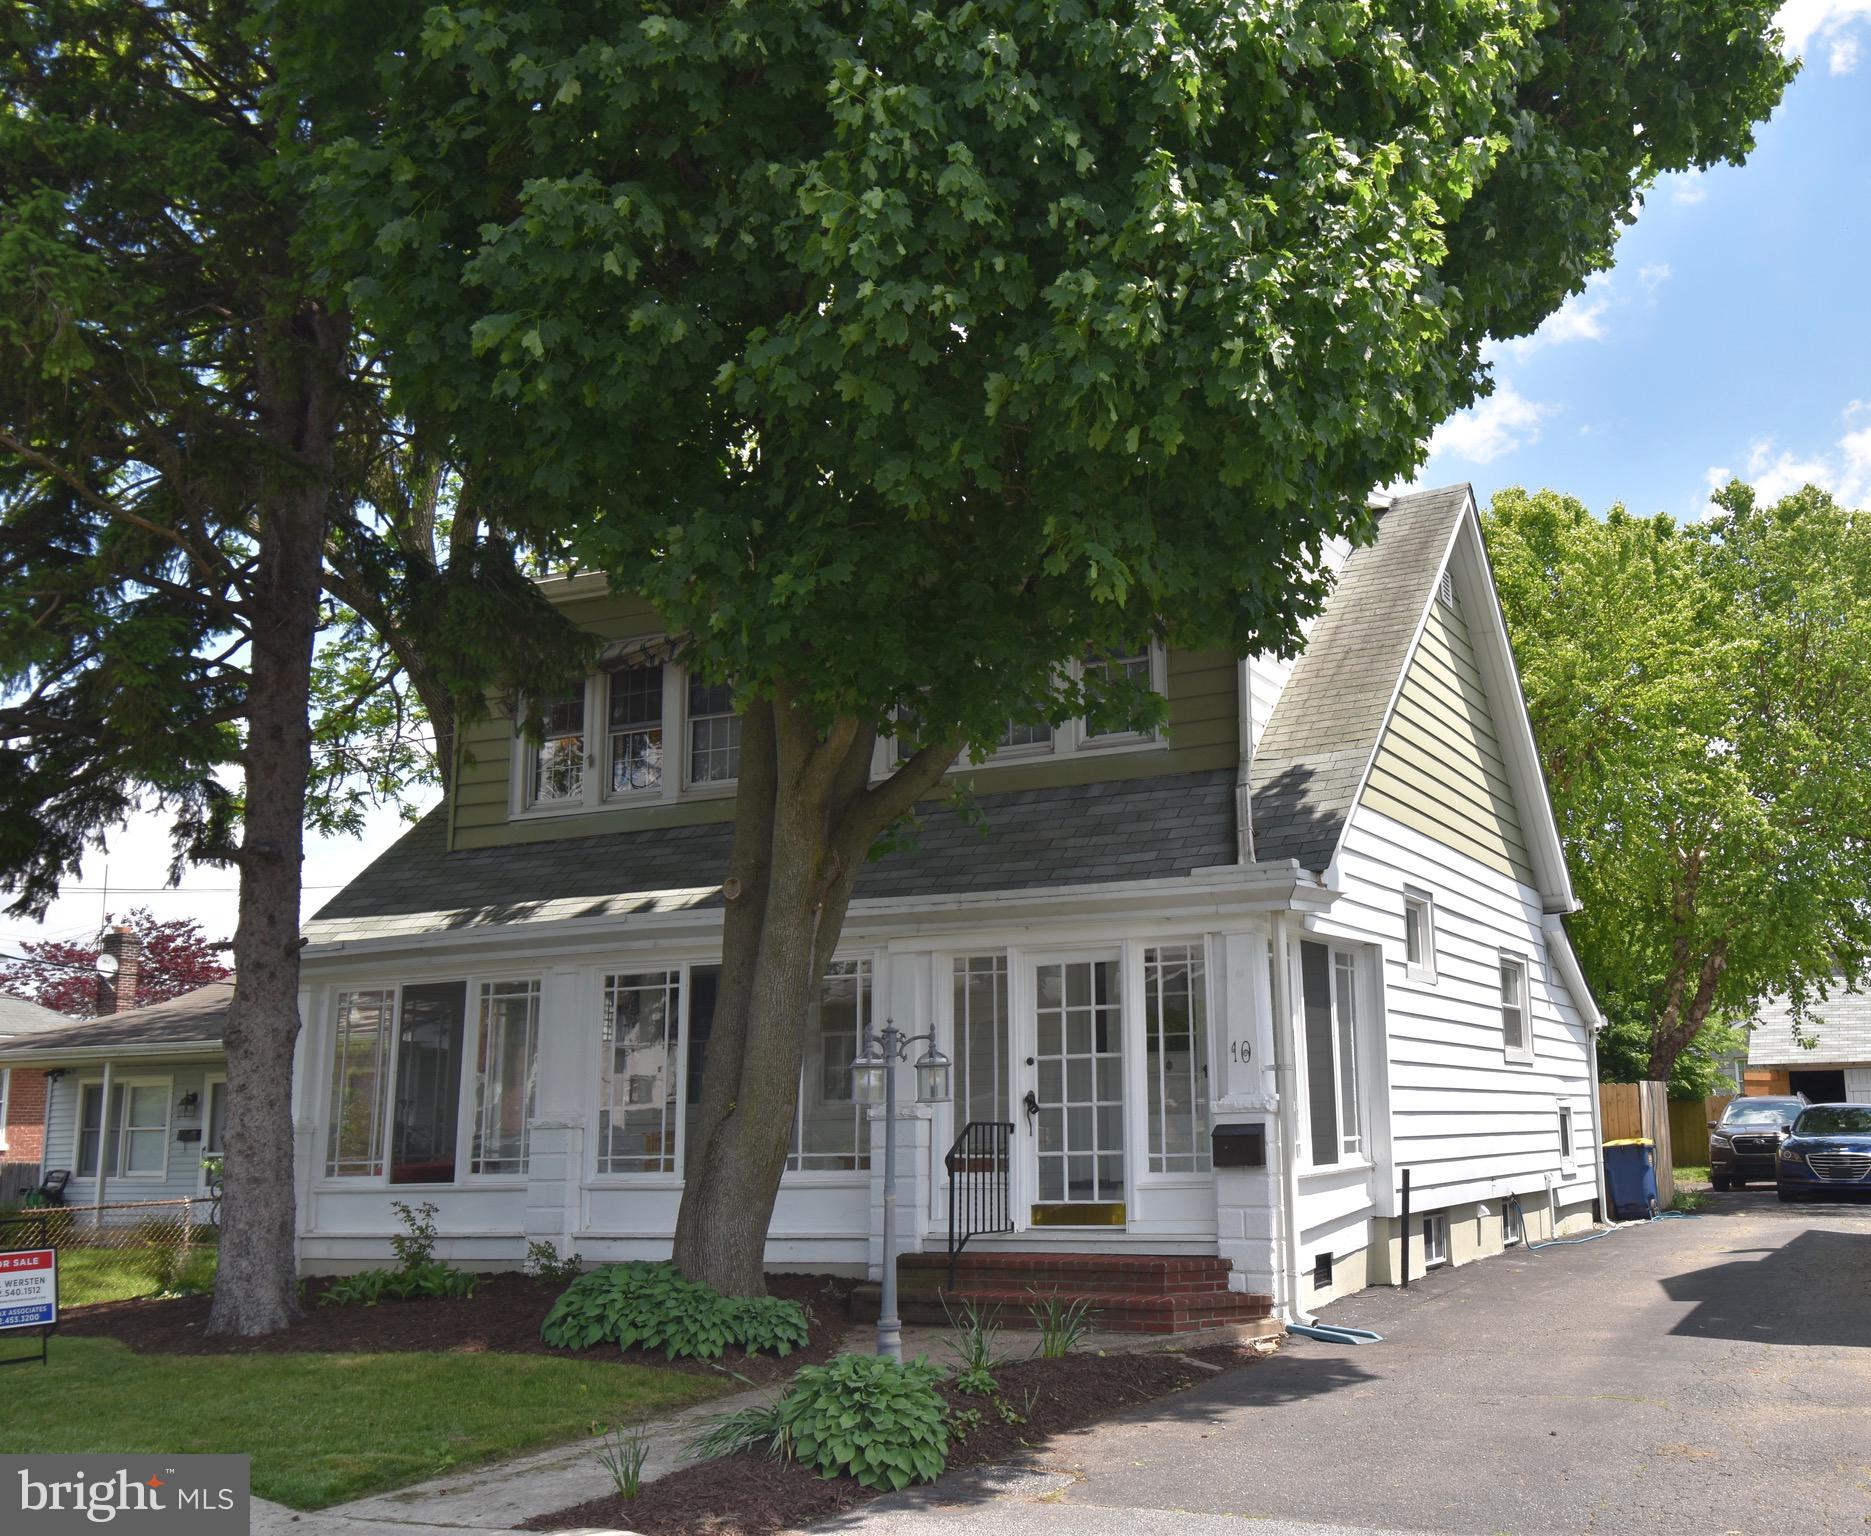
<point>1744,1143</point>
<point>1828,1152</point>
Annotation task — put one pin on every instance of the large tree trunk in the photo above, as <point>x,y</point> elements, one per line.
<point>1681,1021</point>
<point>806,817</point>
<point>256,1287</point>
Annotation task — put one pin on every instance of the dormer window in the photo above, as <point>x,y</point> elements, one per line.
<point>714,734</point>
<point>636,729</point>
<point>1134,666</point>
<point>646,704</point>
<point>559,762</point>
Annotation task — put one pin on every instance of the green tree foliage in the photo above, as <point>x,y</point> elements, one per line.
<point>1701,697</point>
<point>192,442</point>
<point>901,354</point>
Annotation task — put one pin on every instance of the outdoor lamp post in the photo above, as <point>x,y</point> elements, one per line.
<point>873,1082</point>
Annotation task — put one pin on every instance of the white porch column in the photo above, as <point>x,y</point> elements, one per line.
<point>562,1100</point>
<point>902,996</point>
<point>1247,1212</point>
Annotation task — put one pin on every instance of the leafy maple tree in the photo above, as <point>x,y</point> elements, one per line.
<point>176,957</point>
<point>902,355</point>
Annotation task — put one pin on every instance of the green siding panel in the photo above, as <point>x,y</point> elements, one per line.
<point>1439,767</point>
<point>1203,734</point>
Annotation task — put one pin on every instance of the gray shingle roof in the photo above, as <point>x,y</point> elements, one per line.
<point>1124,829</point>
<point>19,1017</point>
<point>1841,1026</point>
<point>197,1017</point>
<point>1314,752</point>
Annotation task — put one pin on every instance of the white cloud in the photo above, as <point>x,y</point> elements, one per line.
<point>1500,424</point>
<point>1654,276</point>
<point>1580,318</point>
<point>1803,20</point>
<point>1691,186</point>
<point>1844,469</point>
<point>1844,57</point>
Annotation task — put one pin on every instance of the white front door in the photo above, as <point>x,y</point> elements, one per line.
<point>1072,1122</point>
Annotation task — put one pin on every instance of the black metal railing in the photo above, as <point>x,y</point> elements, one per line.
<point>979,1201</point>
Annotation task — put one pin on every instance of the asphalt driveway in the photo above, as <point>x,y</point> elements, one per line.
<point>1710,1375</point>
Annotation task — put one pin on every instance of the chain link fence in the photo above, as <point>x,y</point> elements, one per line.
<point>116,1252</point>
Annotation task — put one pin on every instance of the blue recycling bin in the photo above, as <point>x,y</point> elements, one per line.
<point>1631,1178</point>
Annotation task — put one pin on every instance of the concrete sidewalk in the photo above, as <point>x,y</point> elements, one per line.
<point>497,1498</point>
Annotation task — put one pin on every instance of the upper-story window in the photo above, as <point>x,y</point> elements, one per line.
<point>559,760</point>
<point>636,729</point>
<point>1026,738</point>
<point>714,734</point>
<point>638,714</point>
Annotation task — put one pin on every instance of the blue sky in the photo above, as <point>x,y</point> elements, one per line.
<point>1732,337</point>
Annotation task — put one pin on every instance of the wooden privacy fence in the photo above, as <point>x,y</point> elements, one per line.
<point>1689,1126</point>
<point>1629,1110</point>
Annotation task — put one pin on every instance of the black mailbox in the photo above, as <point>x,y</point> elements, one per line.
<point>1240,1146</point>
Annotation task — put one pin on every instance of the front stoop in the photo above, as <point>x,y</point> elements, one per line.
<point>1127,1293</point>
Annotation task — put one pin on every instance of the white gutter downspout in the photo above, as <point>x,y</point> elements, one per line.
<point>1559,946</point>
<point>1243,775</point>
<point>1286,1095</point>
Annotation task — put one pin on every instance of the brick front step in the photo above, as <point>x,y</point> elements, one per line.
<point>1116,1274</point>
<point>1111,1311</point>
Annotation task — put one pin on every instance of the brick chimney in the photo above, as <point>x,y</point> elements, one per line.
<point>117,994</point>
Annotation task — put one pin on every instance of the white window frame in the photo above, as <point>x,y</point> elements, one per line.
<point>1347,1065</point>
<point>465,1105</point>
<point>1435,1235</point>
<point>106,1160</point>
<point>6,1102</point>
<point>468,1112</point>
<point>1568,1139</point>
<point>1423,904</point>
<point>597,793</point>
<point>124,1128</point>
<point>1523,1052</point>
<point>1512,1228</point>
<point>1069,738</point>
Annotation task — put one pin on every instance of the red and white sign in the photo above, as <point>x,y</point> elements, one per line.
<point>29,1288</point>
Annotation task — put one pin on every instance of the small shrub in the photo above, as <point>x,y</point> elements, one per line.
<point>755,1427</point>
<point>415,1246</point>
<point>650,1306</point>
<point>976,1334</point>
<point>622,1455</point>
<point>364,1289</point>
<point>1061,1327</point>
<point>880,1421</point>
<point>544,1264</point>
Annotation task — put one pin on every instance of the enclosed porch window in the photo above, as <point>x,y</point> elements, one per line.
<point>1175,1062</point>
<point>420,1084</point>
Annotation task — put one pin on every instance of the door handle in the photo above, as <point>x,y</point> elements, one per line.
<point>1031,1105</point>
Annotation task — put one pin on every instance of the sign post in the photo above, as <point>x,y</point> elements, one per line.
<point>29,1295</point>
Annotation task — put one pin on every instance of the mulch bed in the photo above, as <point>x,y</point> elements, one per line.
<point>756,1495</point>
<point>501,1317</point>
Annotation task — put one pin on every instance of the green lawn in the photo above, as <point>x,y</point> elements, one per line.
<point>325,1428</point>
<point>88,1275</point>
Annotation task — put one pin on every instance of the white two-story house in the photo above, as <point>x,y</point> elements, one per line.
<point>1310,931</point>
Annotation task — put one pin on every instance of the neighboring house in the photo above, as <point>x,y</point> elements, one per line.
<point>1325,902</point>
<point>1827,1057</point>
<point>134,1100</point>
<point>22,1098</point>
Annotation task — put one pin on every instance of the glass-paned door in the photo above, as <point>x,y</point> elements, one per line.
<point>1078,1127</point>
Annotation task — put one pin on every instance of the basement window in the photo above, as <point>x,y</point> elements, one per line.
<point>1510,1224</point>
<point>1435,1239</point>
<point>1322,1272</point>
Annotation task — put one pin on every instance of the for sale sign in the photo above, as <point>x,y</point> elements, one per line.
<point>29,1288</point>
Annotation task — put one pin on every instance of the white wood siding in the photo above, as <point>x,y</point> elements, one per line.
<point>1468,1120</point>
